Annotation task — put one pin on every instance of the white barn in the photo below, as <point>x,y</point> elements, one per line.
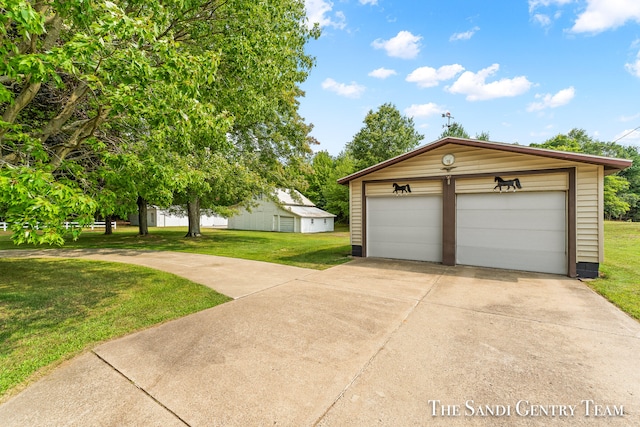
<point>157,217</point>
<point>292,214</point>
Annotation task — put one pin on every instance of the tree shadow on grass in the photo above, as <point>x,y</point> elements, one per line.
<point>320,259</point>
<point>38,295</point>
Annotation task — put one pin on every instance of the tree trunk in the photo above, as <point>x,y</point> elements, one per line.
<point>108,230</point>
<point>143,226</point>
<point>193,210</point>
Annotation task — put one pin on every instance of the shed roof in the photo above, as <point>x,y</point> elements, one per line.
<point>297,204</point>
<point>611,165</point>
<point>292,198</point>
<point>309,212</point>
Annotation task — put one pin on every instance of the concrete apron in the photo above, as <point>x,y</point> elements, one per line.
<point>369,342</point>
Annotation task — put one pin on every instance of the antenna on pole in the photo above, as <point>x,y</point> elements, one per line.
<point>448,116</point>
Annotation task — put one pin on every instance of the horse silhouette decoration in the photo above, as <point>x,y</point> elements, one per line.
<point>399,189</point>
<point>511,183</point>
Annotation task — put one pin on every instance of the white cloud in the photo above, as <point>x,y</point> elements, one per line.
<point>423,110</point>
<point>404,45</point>
<point>534,4</point>
<point>476,88</point>
<point>371,2</point>
<point>318,11</point>
<point>561,98</point>
<point>602,15</point>
<point>541,19</point>
<point>430,77</point>
<point>382,73</point>
<point>634,67</point>
<point>464,36</point>
<point>352,90</point>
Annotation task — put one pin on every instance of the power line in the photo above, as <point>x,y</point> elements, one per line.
<point>627,134</point>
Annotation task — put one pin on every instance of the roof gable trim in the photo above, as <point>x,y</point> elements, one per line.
<point>610,164</point>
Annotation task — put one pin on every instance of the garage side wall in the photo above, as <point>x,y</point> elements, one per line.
<point>356,216</point>
<point>474,161</point>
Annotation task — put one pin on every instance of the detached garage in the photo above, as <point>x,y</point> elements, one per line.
<point>468,202</point>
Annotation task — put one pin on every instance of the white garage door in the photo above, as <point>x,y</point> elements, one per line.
<point>287,224</point>
<point>405,228</point>
<point>519,231</point>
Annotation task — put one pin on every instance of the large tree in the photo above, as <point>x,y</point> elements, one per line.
<point>386,133</point>
<point>97,97</point>
<point>262,61</point>
<point>72,66</point>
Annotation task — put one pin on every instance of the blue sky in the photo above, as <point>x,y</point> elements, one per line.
<point>521,70</point>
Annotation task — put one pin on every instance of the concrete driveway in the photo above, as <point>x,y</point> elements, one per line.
<point>371,342</point>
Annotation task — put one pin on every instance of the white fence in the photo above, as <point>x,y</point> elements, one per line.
<point>71,224</point>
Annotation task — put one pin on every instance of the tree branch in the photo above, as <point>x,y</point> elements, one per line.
<point>56,123</point>
<point>26,96</point>
<point>79,136</point>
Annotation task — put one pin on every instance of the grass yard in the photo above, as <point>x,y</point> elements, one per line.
<point>318,251</point>
<point>51,310</point>
<point>620,281</point>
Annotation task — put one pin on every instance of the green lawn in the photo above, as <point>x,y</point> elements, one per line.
<point>318,251</point>
<point>620,281</point>
<point>51,310</point>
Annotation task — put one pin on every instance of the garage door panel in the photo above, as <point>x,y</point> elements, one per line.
<point>406,234</point>
<point>546,241</point>
<point>516,259</point>
<point>408,218</point>
<point>287,224</point>
<point>508,201</point>
<point>405,228</point>
<point>523,231</point>
<point>408,251</point>
<point>512,219</point>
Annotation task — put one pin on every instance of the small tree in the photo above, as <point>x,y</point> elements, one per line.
<point>483,136</point>
<point>455,130</point>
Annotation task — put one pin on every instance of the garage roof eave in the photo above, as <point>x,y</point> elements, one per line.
<point>611,165</point>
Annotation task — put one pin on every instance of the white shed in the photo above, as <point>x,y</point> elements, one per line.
<point>291,214</point>
<point>176,217</point>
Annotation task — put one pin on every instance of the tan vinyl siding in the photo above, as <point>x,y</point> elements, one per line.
<point>417,188</point>
<point>588,214</point>
<point>543,182</point>
<point>601,213</point>
<point>355,209</point>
